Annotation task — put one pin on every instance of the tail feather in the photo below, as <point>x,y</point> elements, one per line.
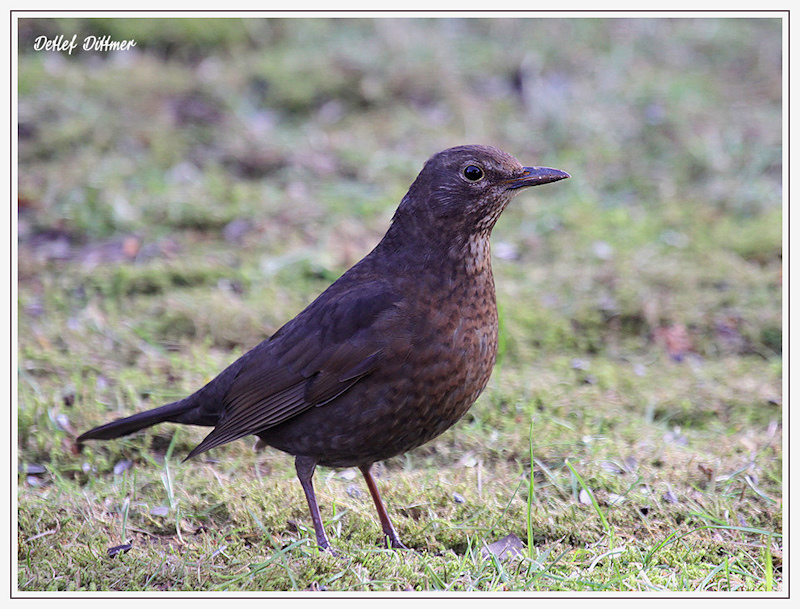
<point>182,411</point>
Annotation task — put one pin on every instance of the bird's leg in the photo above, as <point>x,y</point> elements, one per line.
<point>386,524</point>
<point>305,467</point>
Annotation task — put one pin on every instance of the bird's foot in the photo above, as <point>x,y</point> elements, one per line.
<point>393,541</point>
<point>325,546</point>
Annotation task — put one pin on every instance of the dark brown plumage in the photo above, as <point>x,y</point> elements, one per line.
<point>390,355</point>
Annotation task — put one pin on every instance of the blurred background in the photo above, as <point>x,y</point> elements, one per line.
<point>181,200</point>
<point>297,137</point>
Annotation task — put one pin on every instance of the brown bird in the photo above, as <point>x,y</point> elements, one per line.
<point>389,356</point>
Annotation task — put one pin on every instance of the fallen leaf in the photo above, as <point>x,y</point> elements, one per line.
<point>509,546</point>
<point>121,549</point>
<point>675,340</point>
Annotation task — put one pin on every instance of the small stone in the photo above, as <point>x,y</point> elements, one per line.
<point>121,466</point>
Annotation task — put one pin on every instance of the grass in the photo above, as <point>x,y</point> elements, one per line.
<point>179,203</point>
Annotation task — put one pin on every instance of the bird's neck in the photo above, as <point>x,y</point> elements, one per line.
<point>475,253</point>
<point>428,248</point>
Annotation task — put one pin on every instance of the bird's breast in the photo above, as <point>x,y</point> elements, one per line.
<point>456,343</point>
<point>438,352</point>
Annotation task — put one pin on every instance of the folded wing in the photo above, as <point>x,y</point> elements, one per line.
<point>309,362</point>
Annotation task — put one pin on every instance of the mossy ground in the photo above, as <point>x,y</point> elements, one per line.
<point>178,203</point>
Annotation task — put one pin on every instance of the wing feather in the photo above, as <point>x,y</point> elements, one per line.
<point>311,361</point>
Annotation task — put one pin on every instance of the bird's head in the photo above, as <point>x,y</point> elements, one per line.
<point>467,188</point>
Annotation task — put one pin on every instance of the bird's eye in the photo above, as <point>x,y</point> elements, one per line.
<point>473,173</point>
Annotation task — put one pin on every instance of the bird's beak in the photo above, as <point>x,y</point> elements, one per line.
<point>534,176</point>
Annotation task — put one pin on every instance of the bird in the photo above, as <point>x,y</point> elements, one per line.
<point>390,355</point>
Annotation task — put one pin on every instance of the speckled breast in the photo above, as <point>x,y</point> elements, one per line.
<point>434,371</point>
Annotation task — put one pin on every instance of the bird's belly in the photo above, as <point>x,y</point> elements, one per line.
<point>412,398</point>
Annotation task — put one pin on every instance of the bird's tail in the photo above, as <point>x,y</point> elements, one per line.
<point>183,411</point>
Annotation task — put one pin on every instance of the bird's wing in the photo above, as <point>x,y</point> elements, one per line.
<point>312,360</point>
